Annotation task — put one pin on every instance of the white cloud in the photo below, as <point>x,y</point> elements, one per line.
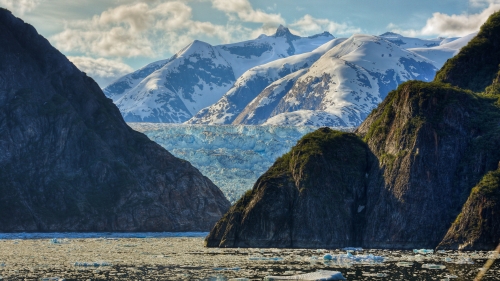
<point>103,71</point>
<point>308,25</point>
<point>20,6</point>
<point>139,29</point>
<point>245,12</point>
<point>453,25</point>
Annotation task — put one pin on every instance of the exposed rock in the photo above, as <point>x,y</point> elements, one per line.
<point>311,197</point>
<point>478,225</point>
<point>434,143</point>
<point>68,161</point>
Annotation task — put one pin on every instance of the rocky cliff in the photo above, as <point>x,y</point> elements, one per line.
<point>313,196</point>
<point>478,225</point>
<point>68,161</point>
<point>428,145</point>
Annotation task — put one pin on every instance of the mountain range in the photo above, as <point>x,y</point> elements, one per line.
<point>173,90</point>
<point>282,79</point>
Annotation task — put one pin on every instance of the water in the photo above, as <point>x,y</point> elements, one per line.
<point>181,256</point>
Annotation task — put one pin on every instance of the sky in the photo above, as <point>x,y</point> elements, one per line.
<point>110,38</point>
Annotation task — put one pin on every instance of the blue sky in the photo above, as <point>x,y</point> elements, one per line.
<point>109,38</point>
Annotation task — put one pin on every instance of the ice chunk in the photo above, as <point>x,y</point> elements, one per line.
<point>327,257</point>
<point>433,266</point>
<point>265,258</point>
<point>353,249</point>
<point>404,264</point>
<point>94,264</point>
<point>322,275</point>
<point>423,251</point>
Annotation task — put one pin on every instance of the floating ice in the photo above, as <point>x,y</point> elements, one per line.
<point>226,269</point>
<point>90,264</point>
<point>376,274</point>
<point>328,257</point>
<point>423,251</point>
<point>404,264</point>
<point>265,258</point>
<point>322,275</point>
<point>433,266</point>
<point>352,249</point>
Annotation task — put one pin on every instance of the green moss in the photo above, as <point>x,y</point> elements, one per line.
<point>489,185</point>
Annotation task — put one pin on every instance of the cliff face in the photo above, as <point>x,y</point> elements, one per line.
<point>478,225</point>
<point>431,143</point>
<point>68,161</point>
<point>313,196</point>
<point>434,142</point>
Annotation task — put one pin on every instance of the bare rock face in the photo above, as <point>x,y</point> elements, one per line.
<point>68,161</point>
<point>428,144</point>
<point>312,197</point>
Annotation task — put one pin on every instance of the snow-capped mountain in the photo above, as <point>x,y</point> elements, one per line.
<point>447,49</point>
<point>173,90</point>
<point>339,89</point>
<point>253,81</point>
<point>410,42</point>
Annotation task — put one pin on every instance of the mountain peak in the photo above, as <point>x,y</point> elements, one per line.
<point>390,34</point>
<point>282,31</point>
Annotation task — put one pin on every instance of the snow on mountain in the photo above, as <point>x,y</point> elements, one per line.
<point>233,157</point>
<point>194,78</point>
<point>410,42</point>
<point>343,85</point>
<point>353,78</point>
<point>255,80</point>
<point>440,54</point>
<point>174,90</point>
<point>129,81</point>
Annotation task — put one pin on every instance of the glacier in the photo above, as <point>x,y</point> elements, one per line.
<point>233,157</point>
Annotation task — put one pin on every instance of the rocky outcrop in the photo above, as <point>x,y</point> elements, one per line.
<point>478,225</point>
<point>313,196</point>
<point>431,144</point>
<point>68,161</point>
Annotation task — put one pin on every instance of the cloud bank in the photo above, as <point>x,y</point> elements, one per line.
<point>102,70</point>
<point>20,6</point>
<point>441,24</point>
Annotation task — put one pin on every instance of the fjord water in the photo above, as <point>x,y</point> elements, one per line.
<point>181,256</point>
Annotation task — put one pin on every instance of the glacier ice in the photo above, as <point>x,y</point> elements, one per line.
<point>233,157</point>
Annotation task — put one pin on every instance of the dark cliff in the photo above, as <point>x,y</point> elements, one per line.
<point>434,142</point>
<point>312,196</point>
<point>478,225</point>
<point>68,161</point>
<point>428,144</point>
